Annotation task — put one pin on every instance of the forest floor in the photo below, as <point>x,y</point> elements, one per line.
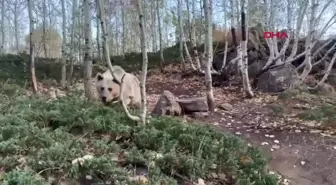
<point>294,130</point>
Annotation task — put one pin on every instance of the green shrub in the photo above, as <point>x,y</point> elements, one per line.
<point>51,134</point>
<point>325,113</point>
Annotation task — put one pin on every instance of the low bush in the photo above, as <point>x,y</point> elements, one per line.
<point>39,139</point>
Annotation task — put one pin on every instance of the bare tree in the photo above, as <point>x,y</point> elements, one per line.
<point>63,72</point>
<point>72,37</point>
<point>179,4</point>
<point>226,38</point>
<point>325,76</point>
<point>88,51</point>
<point>243,62</point>
<point>101,15</point>
<point>193,37</point>
<point>160,33</point>
<point>16,22</point>
<point>31,48</point>
<point>123,28</point>
<point>208,54</point>
<point>98,33</point>
<point>309,43</point>
<point>44,27</point>
<point>144,63</point>
<point>2,47</point>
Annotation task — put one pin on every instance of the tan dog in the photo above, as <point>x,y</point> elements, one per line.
<point>108,88</point>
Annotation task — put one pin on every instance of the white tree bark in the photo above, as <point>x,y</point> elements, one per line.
<point>2,47</point>
<point>101,15</point>
<point>243,62</point>
<point>160,34</point>
<point>325,76</point>
<point>189,57</point>
<point>225,51</point>
<point>88,51</point>
<point>233,32</point>
<point>16,28</point>
<point>44,28</point>
<point>333,48</point>
<point>309,44</point>
<point>123,28</point>
<point>72,41</point>
<point>302,11</point>
<point>144,63</point>
<point>63,72</point>
<point>208,54</point>
<point>31,46</point>
<point>98,34</point>
<point>181,39</point>
<point>316,53</point>
<point>193,38</point>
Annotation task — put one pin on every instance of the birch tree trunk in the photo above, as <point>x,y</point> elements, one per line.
<point>101,15</point>
<point>244,59</point>
<point>309,44</point>
<point>98,35</point>
<point>16,29</point>
<point>325,76</point>
<point>88,51</point>
<point>144,63</point>
<point>63,73</point>
<point>153,20</point>
<point>225,53</point>
<point>193,38</point>
<point>2,47</point>
<point>31,47</point>
<point>208,54</point>
<point>179,4</point>
<point>160,35</point>
<point>123,28</point>
<point>233,33</point>
<point>297,30</point>
<point>188,20</point>
<point>44,28</point>
<point>74,9</point>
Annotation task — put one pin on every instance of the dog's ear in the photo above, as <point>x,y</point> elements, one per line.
<point>99,76</point>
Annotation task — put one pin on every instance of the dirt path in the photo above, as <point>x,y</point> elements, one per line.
<point>301,157</point>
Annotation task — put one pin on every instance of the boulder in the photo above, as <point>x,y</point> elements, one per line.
<point>277,79</point>
<point>167,105</point>
<point>255,68</point>
<point>332,77</point>
<point>190,105</point>
<point>326,90</point>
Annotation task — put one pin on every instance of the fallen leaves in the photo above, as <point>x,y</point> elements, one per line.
<point>139,179</point>
<point>246,160</point>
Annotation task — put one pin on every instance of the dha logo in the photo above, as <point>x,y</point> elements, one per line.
<point>278,35</point>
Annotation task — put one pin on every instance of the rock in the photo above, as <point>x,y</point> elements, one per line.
<point>167,105</point>
<point>277,79</point>
<point>255,68</point>
<point>190,105</point>
<point>326,89</point>
<point>332,77</point>
<point>225,106</point>
<point>253,55</point>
